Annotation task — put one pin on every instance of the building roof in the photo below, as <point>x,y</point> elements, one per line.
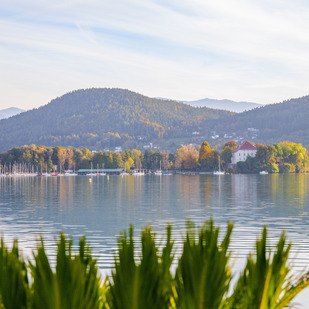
<point>100,170</point>
<point>245,146</point>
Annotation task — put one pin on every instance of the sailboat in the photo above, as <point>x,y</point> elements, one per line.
<point>158,173</point>
<point>70,172</point>
<point>138,172</point>
<point>98,173</point>
<point>219,172</point>
<point>91,173</point>
<point>43,174</point>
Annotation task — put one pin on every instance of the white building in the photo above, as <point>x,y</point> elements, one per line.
<point>241,152</point>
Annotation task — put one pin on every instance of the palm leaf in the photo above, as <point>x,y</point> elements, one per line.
<point>14,288</point>
<point>266,282</point>
<point>142,284</point>
<point>203,274</point>
<point>75,282</point>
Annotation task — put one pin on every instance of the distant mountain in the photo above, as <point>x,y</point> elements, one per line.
<point>272,123</point>
<point>9,112</point>
<point>228,105</point>
<point>99,118</point>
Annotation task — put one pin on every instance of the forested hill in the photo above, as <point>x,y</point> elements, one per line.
<point>98,118</point>
<point>288,120</point>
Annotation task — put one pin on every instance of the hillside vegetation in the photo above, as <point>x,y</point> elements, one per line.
<point>276,122</point>
<point>107,118</point>
<point>99,118</point>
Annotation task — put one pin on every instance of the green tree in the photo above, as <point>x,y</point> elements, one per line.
<point>117,160</point>
<point>226,155</point>
<point>287,168</point>
<point>78,158</point>
<point>265,157</point>
<point>149,159</point>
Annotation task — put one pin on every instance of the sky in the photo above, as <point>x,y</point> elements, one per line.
<point>253,50</point>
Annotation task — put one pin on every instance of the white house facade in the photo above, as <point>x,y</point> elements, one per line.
<point>241,152</point>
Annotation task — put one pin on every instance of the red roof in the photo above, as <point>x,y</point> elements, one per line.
<point>245,146</point>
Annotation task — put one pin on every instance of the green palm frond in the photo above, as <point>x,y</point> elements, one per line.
<point>266,282</point>
<point>203,274</point>
<point>44,288</point>
<point>144,280</point>
<point>74,284</point>
<point>146,283</point>
<point>14,288</point>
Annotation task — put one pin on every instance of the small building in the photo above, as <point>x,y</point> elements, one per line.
<point>244,150</point>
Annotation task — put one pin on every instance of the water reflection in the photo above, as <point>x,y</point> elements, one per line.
<point>102,207</point>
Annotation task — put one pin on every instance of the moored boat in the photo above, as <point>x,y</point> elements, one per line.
<point>70,174</point>
<point>219,172</point>
<point>100,174</point>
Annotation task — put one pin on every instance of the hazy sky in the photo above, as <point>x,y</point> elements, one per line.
<point>240,50</point>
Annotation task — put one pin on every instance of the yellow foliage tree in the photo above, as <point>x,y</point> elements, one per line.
<point>128,164</point>
<point>187,157</point>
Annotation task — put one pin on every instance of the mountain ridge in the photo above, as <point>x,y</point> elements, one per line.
<point>229,105</point>
<point>10,112</point>
<point>101,118</point>
<point>287,120</point>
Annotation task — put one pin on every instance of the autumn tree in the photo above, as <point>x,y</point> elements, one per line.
<point>128,164</point>
<point>208,157</point>
<point>187,157</point>
<point>65,157</point>
<point>231,144</point>
<point>295,154</point>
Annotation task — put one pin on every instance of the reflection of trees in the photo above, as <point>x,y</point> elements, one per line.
<point>207,190</point>
<point>188,189</point>
<point>292,188</point>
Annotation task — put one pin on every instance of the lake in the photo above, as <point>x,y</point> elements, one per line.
<point>101,207</point>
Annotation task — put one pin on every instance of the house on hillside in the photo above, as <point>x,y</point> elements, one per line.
<point>241,152</point>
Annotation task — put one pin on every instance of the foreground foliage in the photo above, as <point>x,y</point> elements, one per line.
<point>142,277</point>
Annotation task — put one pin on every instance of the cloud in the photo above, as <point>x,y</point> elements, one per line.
<point>241,50</point>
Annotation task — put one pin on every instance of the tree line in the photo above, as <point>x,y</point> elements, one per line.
<point>281,157</point>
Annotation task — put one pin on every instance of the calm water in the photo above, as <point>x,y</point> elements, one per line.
<point>30,206</point>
